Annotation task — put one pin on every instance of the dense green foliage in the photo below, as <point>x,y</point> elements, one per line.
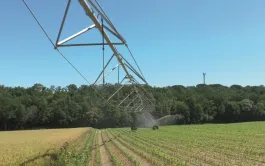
<point>212,103</point>
<point>72,106</point>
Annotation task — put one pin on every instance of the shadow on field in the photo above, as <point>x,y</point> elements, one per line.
<point>53,155</point>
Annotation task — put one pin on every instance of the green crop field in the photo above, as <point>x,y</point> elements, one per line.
<point>232,144</point>
<point>211,144</point>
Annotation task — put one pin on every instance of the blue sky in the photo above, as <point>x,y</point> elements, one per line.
<point>174,41</point>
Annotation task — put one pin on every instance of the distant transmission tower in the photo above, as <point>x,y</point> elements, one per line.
<point>204,75</point>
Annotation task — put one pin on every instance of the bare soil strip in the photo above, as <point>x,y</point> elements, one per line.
<point>92,160</point>
<point>117,152</point>
<point>105,157</point>
<point>124,160</point>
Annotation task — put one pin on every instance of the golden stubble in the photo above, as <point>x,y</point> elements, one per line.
<point>17,147</point>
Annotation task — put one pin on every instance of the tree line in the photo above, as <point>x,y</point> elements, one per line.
<point>71,106</point>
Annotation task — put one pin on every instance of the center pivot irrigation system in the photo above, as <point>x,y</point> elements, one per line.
<point>138,98</point>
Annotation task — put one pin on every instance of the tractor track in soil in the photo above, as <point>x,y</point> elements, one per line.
<point>117,152</point>
<point>105,156</point>
<point>92,160</point>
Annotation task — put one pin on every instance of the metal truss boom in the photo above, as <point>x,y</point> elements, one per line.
<point>137,98</point>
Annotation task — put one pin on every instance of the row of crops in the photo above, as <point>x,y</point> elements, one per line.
<point>234,144</point>
<point>208,145</point>
<point>191,145</point>
<point>237,144</point>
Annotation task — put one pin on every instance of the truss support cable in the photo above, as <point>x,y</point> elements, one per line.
<point>103,69</point>
<point>103,49</point>
<point>62,24</point>
<point>127,67</point>
<point>46,34</point>
<point>118,74</point>
<point>88,12</point>
<point>134,60</point>
<point>107,18</point>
